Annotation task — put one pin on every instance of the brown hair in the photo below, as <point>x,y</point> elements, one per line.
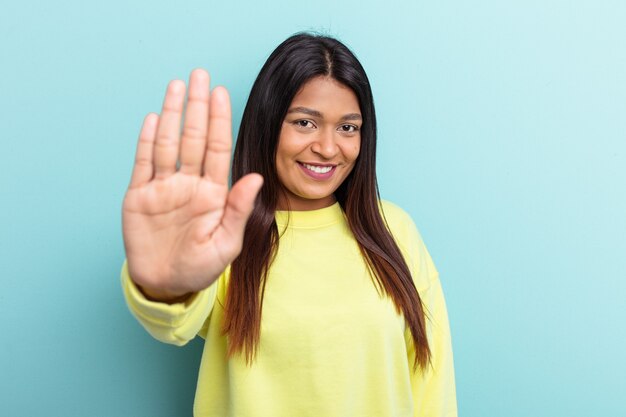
<point>294,62</point>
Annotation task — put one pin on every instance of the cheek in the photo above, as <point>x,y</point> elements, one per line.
<point>289,147</point>
<point>355,149</point>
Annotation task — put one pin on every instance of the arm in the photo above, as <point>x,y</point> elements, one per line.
<point>176,323</point>
<point>181,223</point>
<point>434,390</point>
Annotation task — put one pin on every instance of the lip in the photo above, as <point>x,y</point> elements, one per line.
<point>316,175</point>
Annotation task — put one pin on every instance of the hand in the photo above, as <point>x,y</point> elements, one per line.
<point>182,227</point>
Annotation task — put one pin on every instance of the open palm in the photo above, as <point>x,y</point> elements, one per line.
<point>182,225</point>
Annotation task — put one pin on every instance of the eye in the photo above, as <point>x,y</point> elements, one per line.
<point>348,128</point>
<point>305,124</point>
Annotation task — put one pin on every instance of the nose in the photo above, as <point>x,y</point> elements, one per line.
<point>325,144</point>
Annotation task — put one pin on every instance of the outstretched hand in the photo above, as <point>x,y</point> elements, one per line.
<point>182,226</point>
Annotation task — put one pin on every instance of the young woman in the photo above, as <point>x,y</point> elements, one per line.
<point>314,297</point>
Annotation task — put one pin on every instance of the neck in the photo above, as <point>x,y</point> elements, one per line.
<point>297,203</point>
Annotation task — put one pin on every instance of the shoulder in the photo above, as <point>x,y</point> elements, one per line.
<point>399,222</point>
<point>409,240</point>
<point>395,215</point>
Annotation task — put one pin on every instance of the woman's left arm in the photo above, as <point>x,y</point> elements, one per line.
<point>434,390</point>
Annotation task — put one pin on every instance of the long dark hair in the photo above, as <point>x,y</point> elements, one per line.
<point>298,59</point>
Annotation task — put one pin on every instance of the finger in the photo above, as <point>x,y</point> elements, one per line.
<point>219,143</point>
<point>196,120</point>
<point>239,205</point>
<point>143,169</point>
<point>167,136</point>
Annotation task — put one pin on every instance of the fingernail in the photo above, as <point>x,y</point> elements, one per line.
<point>176,86</point>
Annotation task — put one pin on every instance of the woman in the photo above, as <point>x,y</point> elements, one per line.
<point>314,297</point>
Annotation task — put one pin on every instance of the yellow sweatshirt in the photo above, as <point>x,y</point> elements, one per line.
<point>330,345</point>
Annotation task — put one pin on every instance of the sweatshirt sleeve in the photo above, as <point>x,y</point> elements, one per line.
<point>434,389</point>
<point>176,323</point>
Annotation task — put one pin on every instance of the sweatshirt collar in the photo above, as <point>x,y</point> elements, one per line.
<point>310,219</point>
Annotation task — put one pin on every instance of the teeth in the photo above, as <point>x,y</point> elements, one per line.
<point>319,170</point>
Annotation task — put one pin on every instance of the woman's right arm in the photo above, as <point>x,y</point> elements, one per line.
<point>182,226</point>
<point>174,323</point>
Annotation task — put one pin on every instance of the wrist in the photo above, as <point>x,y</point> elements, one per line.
<point>162,296</point>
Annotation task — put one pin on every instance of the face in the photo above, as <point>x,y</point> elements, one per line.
<point>318,145</point>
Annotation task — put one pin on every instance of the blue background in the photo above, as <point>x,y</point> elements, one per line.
<point>502,132</point>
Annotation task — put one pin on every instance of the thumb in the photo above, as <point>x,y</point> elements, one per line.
<point>240,203</point>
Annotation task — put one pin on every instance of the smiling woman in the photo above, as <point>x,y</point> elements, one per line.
<point>310,292</point>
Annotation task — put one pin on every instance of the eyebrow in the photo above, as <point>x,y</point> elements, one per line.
<point>315,113</point>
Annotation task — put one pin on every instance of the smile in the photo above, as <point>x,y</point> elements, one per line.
<point>318,169</point>
<point>318,172</point>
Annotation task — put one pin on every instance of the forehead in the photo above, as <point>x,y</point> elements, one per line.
<point>326,95</point>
